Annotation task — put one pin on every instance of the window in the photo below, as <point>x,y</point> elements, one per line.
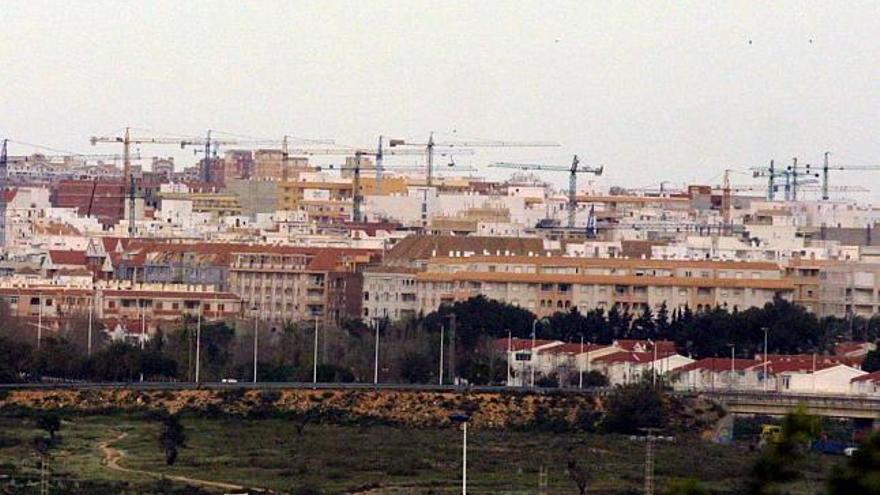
<point>35,301</point>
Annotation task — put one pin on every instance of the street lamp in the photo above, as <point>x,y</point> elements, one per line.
<point>315,357</point>
<point>198,341</point>
<point>462,418</point>
<point>256,340</point>
<point>533,352</point>
<point>732,364</point>
<point>376,358</point>
<point>442,331</point>
<point>766,331</point>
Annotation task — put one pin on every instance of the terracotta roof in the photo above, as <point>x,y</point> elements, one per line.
<point>421,247</point>
<point>870,377</point>
<point>626,357</point>
<point>719,364</point>
<point>853,348</point>
<point>67,257</point>
<point>522,344</point>
<point>663,346</point>
<point>571,261</point>
<point>575,348</point>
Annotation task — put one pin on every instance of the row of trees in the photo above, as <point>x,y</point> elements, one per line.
<point>410,350</point>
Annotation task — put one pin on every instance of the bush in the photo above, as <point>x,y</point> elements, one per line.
<point>548,381</point>
<point>415,367</point>
<point>629,408</point>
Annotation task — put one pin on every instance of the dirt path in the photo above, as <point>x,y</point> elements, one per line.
<point>112,456</point>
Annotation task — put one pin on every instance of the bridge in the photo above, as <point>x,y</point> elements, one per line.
<point>778,404</point>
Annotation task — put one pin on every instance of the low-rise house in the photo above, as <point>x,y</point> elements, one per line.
<point>867,384</point>
<point>824,378</point>
<point>719,373</point>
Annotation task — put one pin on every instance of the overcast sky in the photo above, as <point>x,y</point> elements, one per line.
<point>653,90</point>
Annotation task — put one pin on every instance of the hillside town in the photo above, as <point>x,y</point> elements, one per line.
<point>264,234</point>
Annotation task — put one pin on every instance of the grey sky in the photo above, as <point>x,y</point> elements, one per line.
<point>654,90</point>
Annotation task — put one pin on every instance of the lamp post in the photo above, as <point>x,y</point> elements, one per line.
<point>766,331</point>
<point>732,364</point>
<point>533,353</point>
<point>509,350</point>
<point>442,331</point>
<point>462,418</point>
<point>376,357</point>
<point>91,310</point>
<point>581,368</point>
<point>256,340</point>
<point>40,322</point>
<point>315,357</point>
<point>198,341</point>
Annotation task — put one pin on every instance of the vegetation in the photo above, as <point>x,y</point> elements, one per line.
<point>268,453</point>
<point>410,350</point>
<point>781,461</point>
<point>630,408</point>
<point>172,438</point>
<point>861,474</point>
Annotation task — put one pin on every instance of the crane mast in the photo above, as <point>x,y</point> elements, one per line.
<point>431,147</point>
<point>573,170</point>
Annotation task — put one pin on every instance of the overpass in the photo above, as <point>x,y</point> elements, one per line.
<point>778,404</point>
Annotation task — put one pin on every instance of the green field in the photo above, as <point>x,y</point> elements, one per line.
<point>271,454</point>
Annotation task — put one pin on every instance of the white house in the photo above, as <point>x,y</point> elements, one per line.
<point>867,384</point>
<point>826,378</point>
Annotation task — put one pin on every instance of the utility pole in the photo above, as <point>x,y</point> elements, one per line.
<point>256,342</point>
<point>452,349</point>
<point>91,310</point>
<point>543,480</point>
<point>440,374</point>
<point>44,474</point>
<point>376,358</point>
<point>315,355</point>
<point>650,437</point>
<point>198,342</point>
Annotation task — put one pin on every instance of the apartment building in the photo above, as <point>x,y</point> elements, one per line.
<point>545,285</point>
<point>55,305</point>
<point>296,284</point>
<point>389,292</point>
<point>330,200</point>
<point>850,288</point>
<point>278,283</point>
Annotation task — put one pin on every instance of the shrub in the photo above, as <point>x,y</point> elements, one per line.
<point>630,408</point>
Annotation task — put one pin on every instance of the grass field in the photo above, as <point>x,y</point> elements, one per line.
<point>271,454</point>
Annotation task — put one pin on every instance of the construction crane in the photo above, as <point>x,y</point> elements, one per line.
<point>793,175</point>
<point>572,170</point>
<point>852,168</point>
<point>358,153</point>
<point>431,148</point>
<point>126,140</point>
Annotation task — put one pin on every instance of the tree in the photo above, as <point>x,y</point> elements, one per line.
<point>415,367</point>
<point>779,463</point>
<point>13,360</point>
<point>872,361</point>
<point>50,423</point>
<point>171,438</point>
<point>632,407</point>
<point>595,378</point>
<point>643,327</point>
<point>859,474</point>
<point>577,474</point>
